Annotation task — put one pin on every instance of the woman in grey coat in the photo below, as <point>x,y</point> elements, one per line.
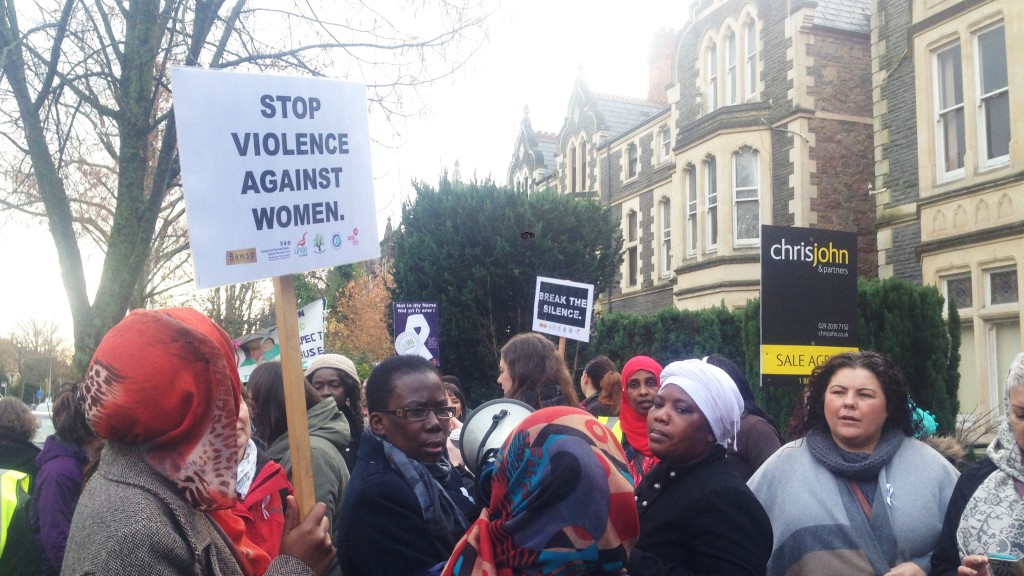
<point>163,390</point>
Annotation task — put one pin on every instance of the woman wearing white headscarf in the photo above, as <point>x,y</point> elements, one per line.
<point>697,516</point>
<point>986,512</point>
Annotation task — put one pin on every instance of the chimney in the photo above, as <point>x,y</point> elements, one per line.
<point>659,65</point>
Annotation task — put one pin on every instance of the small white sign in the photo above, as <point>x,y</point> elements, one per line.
<point>563,308</point>
<point>254,349</point>
<point>276,171</point>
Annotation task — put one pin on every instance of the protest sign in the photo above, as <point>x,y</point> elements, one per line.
<point>264,345</point>
<point>418,330</point>
<point>276,173</point>
<point>563,308</point>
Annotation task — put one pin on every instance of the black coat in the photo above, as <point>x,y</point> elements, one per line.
<point>699,519</point>
<point>18,455</point>
<point>382,531</point>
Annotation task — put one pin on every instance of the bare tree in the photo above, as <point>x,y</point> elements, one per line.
<point>85,106</point>
<point>238,308</point>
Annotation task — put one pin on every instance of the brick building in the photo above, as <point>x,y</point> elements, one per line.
<point>758,112</point>
<point>949,169</point>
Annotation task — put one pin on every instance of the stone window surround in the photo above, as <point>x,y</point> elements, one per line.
<point>714,88</point>
<point>928,45</point>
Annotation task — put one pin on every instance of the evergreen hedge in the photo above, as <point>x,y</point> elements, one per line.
<point>899,319</point>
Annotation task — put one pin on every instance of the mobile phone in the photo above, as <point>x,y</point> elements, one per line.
<point>1005,565</point>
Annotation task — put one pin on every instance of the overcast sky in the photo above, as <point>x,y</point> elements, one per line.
<point>535,50</point>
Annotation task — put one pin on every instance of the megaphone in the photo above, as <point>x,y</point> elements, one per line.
<point>487,428</point>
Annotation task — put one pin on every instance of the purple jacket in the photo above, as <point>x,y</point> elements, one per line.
<point>54,497</point>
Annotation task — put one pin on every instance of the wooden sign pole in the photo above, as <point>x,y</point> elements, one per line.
<point>294,392</point>
<point>561,348</point>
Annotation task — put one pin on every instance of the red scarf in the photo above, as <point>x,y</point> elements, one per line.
<point>634,426</point>
<point>166,381</point>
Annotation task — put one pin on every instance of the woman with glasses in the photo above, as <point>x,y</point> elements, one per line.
<point>406,506</point>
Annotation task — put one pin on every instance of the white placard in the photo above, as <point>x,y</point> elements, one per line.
<point>264,346</point>
<point>563,308</point>
<point>276,171</point>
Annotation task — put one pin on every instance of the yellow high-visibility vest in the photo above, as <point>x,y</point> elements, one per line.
<point>11,482</point>
<point>613,423</point>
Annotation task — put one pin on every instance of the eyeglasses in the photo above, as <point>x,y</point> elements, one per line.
<point>415,414</point>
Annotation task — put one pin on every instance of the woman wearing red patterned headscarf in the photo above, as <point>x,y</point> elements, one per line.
<point>561,503</point>
<point>163,390</point>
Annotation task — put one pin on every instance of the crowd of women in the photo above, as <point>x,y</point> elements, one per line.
<point>163,463</point>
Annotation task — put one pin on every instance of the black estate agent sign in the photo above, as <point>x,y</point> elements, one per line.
<point>563,308</point>
<point>808,300</point>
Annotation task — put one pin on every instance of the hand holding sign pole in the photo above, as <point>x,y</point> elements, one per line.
<point>277,180</point>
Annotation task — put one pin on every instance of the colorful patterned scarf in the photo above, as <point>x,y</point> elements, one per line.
<point>561,503</point>
<point>165,380</point>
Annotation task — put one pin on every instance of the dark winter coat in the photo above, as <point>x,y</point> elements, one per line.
<point>18,455</point>
<point>946,558</point>
<point>54,497</point>
<point>382,531</point>
<point>699,519</point>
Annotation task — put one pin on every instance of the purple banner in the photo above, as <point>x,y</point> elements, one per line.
<point>418,330</point>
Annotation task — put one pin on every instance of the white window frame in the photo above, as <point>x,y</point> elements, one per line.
<point>690,178</point>
<point>959,276</point>
<point>943,114</point>
<point>711,203</point>
<point>731,80</point>
<point>572,168</point>
<point>751,57</point>
<point>988,272</point>
<point>756,199</point>
<point>665,147</point>
<point>984,98</point>
<point>711,62</point>
<point>632,249</point>
<point>666,237</point>
<point>632,163</point>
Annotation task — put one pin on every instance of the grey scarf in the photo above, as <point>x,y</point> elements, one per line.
<point>444,520</point>
<point>993,519</point>
<point>854,465</point>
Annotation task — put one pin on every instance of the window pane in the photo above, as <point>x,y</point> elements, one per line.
<point>997,125</point>
<point>691,233</point>
<point>992,46</point>
<point>631,227</point>
<point>951,85</point>
<point>751,57</point>
<point>632,264</point>
<point>583,165</point>
<point>713,226</point>
<point>1003,287</point>
<point>954,144</point>
<point>691,186</point>
<point>746,169</point>
<point>959,289</point>
<point>730,72</point>
<point>747,220</point>
<point>712,171</point>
